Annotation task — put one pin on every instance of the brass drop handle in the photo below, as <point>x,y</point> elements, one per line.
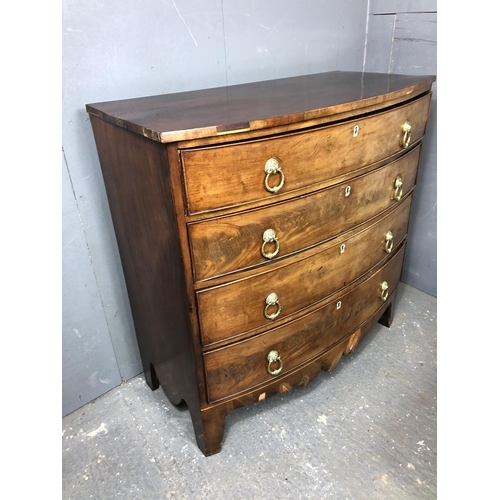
<point>271,301</point>
<point>272,167</point>
<point>384,294</point>
<point>398,188</point>
<point>389,241</point>
<point>406,134</point>
<point>274,357</point>
<point>269,236</point>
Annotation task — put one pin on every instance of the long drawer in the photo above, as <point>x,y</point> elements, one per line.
<point>220,176</point>
<point>247,364</point>
<point>231,243</point>
<point>273,295</point>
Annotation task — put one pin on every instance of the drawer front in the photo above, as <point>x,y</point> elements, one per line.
<point>244,365</point>
<point>239,307</point>
<point>236,242</point>
<point>224,176</point>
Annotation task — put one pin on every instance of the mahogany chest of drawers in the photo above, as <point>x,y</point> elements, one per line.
<point>261,227</point>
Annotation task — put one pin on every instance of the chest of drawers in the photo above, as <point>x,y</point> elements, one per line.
<point>261,228</point>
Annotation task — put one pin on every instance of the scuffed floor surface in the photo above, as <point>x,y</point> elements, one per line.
<point>365,430</point>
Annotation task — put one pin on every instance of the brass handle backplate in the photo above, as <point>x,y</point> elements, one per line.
<point>269,236</point>
<point>406,135</point>
<point>389,241</point>
<point>271,301</point>
<point>274,357</point>
<point>272,167</point>
<point>384,291</point>
<point>398,188</point>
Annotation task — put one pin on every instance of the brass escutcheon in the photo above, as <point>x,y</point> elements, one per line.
<point>406,134</point>
<point>384,294</point>
<point>389,241</point>
<point>272,300</point>
<point>274,357</point>
<point>269,236</point>
<point>272,167</point>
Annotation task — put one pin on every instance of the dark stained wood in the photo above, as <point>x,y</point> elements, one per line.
<point>388,316</point>
<point>189,228</point>
<point>227,244</point>
<point>258,105</point>
<point>222,176</point>
<point>179,202</point>
<point>243,365</point>
<point>216,413</point>
<point>224,316</point>
<point>136,176</point>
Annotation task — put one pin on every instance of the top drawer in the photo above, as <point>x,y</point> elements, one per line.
<point>232,174</point>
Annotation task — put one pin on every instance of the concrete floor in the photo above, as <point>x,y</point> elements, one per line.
<point>365,430</point>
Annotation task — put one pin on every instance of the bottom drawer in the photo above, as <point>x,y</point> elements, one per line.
<point>246,364</point>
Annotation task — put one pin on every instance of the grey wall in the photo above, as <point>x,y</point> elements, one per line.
<point>121,49</point>
<point>401,38</point>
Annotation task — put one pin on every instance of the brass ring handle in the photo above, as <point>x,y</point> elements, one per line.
<point>384,294</point>
<point>389,241</point>
<point>272,167</point>
<point>398,188</point>
<point>274,357</point>
<point>269,236</point>
<point>272,300</point>
<point>406,135</point>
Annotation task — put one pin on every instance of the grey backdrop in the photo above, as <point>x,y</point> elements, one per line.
<point>122,49</point>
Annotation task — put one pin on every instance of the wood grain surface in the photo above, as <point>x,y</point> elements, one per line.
<point>227,244</point>
<point>222,176</point>
<point>243,365</point>
<point>189,220</point>
<point>257,105</point>
<point>224,316</point>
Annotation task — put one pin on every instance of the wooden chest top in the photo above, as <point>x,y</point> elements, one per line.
<point>254,106</point>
